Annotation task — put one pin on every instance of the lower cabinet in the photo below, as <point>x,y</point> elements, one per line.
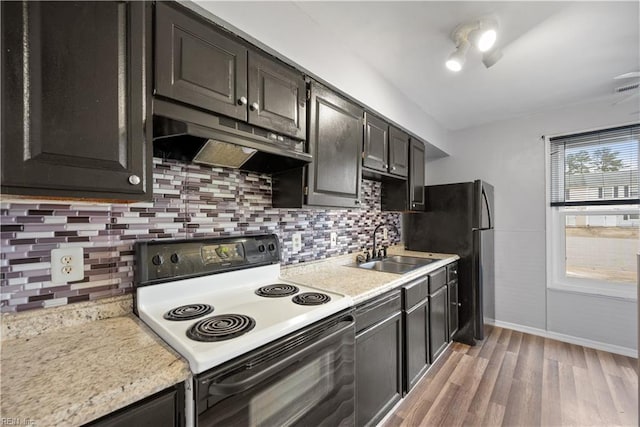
<point>417,343</point>
<point>163,409</point>
<point>398,337</point>
<point>453,309</point>
<point>454,303</point>
<point>379,359</point>
<point>416,331</point>
<point>438,313</point>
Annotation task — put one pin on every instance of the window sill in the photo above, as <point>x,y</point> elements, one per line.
<point>619,294</point>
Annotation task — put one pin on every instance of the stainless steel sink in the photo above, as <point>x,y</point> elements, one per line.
<point>386,266</point>
<point>411,260</point>
<point>397,264</point>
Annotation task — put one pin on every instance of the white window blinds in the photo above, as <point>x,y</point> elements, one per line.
<point>595,168</point>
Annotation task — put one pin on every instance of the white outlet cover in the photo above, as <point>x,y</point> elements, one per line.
<point>385,233</point>
<point>76,265</point>
<point>296,242</point>
<point>334,239</point>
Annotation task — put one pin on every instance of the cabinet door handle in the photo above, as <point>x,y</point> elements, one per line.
<point>254,106</point>
<point>393,168</point>
<point>242,101</point>
<point>134,180</point>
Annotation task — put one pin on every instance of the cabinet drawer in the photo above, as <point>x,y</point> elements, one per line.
<point>415,292</point>
<point>437,279</point>
<point>452,272</point>
<point>372,312</point>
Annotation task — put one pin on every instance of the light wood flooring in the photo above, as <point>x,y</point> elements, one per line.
<point>517,379</point>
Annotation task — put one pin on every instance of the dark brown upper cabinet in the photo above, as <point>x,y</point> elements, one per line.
<point>399,194</point>
<point>335,141</point>
<point>76,113</point>
<point>375,154</point>
<point>203,66</point>
<point>335,138</point>
<point>416,175</point>
<point>398,152</point>
<point>277,97</point>
<point>197,64</point>
<point>385,150</point>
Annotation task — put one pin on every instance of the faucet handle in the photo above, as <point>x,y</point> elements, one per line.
<point>367,255</point>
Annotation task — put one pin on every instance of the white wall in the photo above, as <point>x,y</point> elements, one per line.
<point>283,29</point>
<point>510,155</point>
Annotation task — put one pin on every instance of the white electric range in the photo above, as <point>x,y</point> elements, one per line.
<point>220,301</point>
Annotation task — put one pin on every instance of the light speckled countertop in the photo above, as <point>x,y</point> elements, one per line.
<point>75,374</point>
<point>335,275</point>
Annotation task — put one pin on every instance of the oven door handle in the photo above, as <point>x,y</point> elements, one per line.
<point>223,388</point>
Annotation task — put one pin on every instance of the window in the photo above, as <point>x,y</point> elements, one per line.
<point>594,230</point>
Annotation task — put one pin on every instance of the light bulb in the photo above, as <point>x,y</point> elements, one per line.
<point>486,40</point>
<point>456,59</point>
<point>454,65</point>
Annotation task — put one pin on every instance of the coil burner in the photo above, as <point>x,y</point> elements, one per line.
<point>311,298</point>
<point>220,328</point>
<point>188,312</point>
<point>277,290</point>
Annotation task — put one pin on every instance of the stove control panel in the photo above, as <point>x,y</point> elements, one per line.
<point>160,261</point>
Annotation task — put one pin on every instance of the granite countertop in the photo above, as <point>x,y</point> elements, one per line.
<point>335,275</point>
<point>75,374</point>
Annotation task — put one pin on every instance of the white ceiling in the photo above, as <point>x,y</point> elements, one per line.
<point>555,53</point>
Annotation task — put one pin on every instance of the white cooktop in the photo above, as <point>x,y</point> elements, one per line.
<point>230,293</point>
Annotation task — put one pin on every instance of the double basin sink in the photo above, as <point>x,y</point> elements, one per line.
<point>397,264</point>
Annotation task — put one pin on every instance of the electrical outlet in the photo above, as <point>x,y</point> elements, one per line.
<point>334,239</point>
<point>67,265</point>
<point>385,233</point>
<point>296,241</point>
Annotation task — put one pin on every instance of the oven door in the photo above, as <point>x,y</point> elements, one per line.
<point>305,379</point>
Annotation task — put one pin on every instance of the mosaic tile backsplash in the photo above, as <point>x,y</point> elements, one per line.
<point>190,201</point>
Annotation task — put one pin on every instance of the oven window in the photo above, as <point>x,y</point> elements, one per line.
<point>285,401</point>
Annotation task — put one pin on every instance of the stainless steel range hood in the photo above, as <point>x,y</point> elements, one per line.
<point>228,143</point>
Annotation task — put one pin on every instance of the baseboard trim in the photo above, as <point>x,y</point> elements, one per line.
<point>625,351</point>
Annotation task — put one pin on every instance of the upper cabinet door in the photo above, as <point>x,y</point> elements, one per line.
<point>335,140</point>
<point>416,176</point>
<point>376,139</point>
<point>277,97</point>
<point>398,152</point>
<point>76,112</point>
<point>199,65</point>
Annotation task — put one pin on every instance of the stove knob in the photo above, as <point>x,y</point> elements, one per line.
<point>175,258</point>
<point>157,260</point>
<point>272,247</point>
<point>261,248</point>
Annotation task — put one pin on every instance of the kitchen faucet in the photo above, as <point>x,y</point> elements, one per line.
<point>373,255</point>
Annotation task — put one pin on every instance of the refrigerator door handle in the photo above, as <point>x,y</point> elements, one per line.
<point>486,203</point>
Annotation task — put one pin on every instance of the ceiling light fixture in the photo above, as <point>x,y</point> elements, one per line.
<point>483,35</point>
<point>457,57</point>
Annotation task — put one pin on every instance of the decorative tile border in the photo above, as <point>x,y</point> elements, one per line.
<point>190,201</point>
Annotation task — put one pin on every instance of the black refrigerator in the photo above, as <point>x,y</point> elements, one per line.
<point>459,219</point>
